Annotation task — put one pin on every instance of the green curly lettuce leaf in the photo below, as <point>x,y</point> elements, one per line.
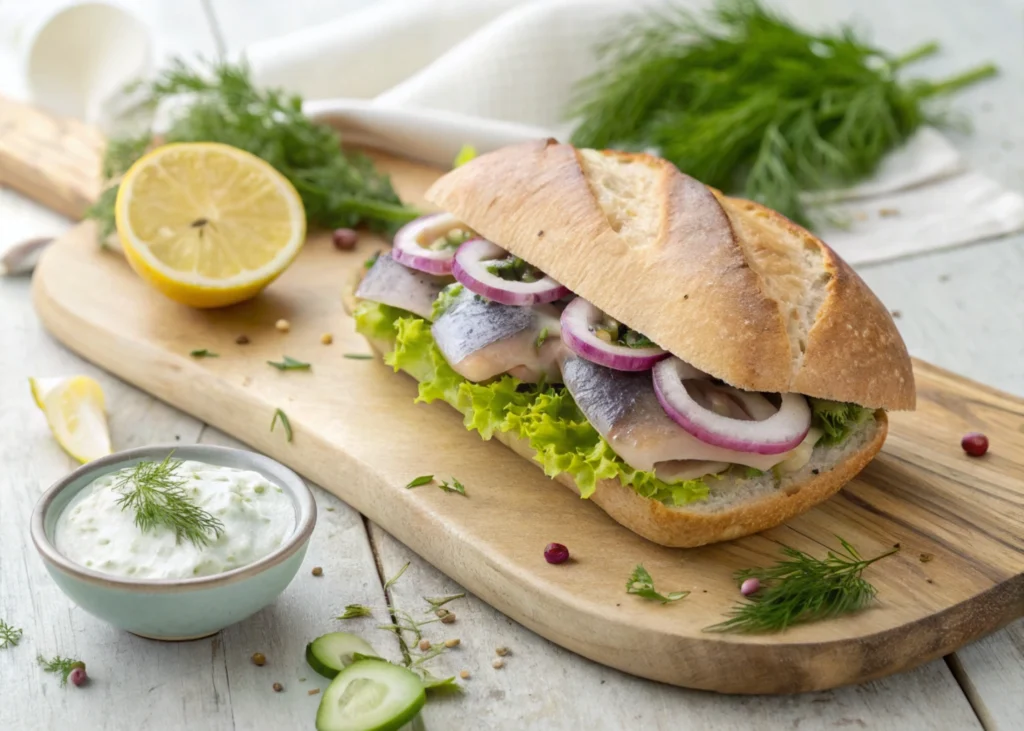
<point>546,416</point>
<point>837,419</point>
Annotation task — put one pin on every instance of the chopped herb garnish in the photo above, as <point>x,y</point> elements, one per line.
<point>396,577</point>
<point>157,496</point>
<point>453,486</point>
<point>467,153</point>
<point>641,584</point>
<point>278,414</point>
<point>421,480</point>
<point>9,636</point>
<point>290,364</point>
<point>802,589</point>
<point>752,472</point>
<point>371,260</point>
<point>62,666</point>
<point>514,269</point>
<point>353,611</point>
<point>445,299</point>
<point>203,353</point>
<point>358,356</point>
<point>541,338</point>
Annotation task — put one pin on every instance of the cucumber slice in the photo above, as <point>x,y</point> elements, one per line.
<point>370,695</point>
<point>329,654</point>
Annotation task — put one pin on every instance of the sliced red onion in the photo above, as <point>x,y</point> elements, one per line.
<point>470,268</point>
<point>578,321</point>
<point>780,432</point>
<point>414,239</point>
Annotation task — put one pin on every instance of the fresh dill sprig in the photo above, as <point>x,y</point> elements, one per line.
<point>279,415</point>
<point>641,584</point>
<point>62,666</point>
<point>9,636</point>
<point>802,589</point>
<point>746,102</point>
<point>157,496</point>
<point>352,611</point>
<point>287,363</point>
<point>222,104</point>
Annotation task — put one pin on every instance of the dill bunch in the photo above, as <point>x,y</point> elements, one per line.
<point>157,496</point>
<point>802,589</point>
<point>746,102</point>
<point>220,103</point>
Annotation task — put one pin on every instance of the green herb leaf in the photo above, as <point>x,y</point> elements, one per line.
<point>837,419</point>
<point>287,425</point>
<point>641,584</point>
<point>453,486</point>
<point>421,480</point>
<point>355,610</point>
<point>9,636</point>
<point>445,300</point>
<point>752,472</point>
<point>221,104</point>
<point>290,364</point>
<point>203,353</point>
<point>390,582</point>
<point>541,338</point>
<point>154,492</point>
<point>371,260</point>
<point>61,666</point>
<point>439,601</point>
<point>358,356</point>
<point>467,153</point>
<point>802,589</point>
<point>745,101</point>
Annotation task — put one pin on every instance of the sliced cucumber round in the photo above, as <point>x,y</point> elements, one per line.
<point>370,695</point>
<point>329,654</point>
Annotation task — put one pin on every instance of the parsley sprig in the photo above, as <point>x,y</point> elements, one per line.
<point>803,589</point>
<point>156,494</point>
<point>222,104</point>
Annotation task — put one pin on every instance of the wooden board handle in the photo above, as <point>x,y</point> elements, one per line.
<point>53,161</point>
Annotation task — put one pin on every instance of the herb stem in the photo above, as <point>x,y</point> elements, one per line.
<point>915,54</point>
<point>955,83</point>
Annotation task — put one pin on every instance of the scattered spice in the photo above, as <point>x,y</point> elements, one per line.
<point>464,674</point>
<point>925,557</point>
<point>258,658</point>
<point>424,645</point>
<point>318,571</point>
<point>896,314</point>
<point>447,617</point>
<point>326,338</point>
<point>278,414</point>
<point>750,586</point>
<point>283,325</point>
<point>312,691</point>
<point>329,510</point>
<point>501,651</point>
<point>498,663</point>
<point>888,212</point>
<point>242,340</point>
<point>203,353</point>
<point>556,553</point>
<point>975,444</point>
<point>277,687</point>
<point>454,642</point>
<point>345,239</point>
<point>943,277</point>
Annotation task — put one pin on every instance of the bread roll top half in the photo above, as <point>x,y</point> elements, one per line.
<point>727,285</point>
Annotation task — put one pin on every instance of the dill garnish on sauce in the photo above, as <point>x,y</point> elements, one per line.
<point>745,101</point>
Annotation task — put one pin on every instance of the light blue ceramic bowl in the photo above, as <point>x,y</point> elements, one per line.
<point>176,609</point>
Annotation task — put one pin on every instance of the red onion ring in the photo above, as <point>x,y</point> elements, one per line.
<point>414,238</point>
<point>470,268</point>
<point>780,432</point>
<point>578,320</point>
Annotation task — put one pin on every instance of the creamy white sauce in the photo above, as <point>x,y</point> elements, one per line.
<point>257,515</point>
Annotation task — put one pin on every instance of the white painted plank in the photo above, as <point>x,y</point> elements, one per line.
<point>991,672</point>
<point>544,686</point>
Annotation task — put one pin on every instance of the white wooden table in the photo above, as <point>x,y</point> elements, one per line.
<point>962,309</point>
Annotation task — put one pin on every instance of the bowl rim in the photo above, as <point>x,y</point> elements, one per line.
<point>211,453</point>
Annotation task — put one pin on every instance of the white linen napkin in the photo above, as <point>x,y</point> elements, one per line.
<point>423,78</point>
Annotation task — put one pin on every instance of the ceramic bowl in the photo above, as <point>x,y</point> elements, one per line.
<point>176,609</point>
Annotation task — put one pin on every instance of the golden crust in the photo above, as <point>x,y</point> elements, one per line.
<point>732,287</point>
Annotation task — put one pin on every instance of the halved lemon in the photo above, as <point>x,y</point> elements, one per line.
<point>208,224</point>
<point>75,412</point>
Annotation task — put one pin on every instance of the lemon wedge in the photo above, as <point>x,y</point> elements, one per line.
<point>208,224</point>
<point>74,409</point>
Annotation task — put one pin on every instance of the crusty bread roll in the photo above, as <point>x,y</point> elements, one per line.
<point>729,286</point>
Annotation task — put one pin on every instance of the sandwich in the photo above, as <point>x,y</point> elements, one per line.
<point>697,365</point>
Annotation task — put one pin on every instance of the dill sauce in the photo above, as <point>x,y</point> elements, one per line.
<point>94,532</point>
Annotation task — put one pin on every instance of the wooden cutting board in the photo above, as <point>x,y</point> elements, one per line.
<point>958,520</point>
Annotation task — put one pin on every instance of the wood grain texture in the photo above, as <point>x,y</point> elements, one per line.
<point>359,434</point>
<point>53,161</point>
